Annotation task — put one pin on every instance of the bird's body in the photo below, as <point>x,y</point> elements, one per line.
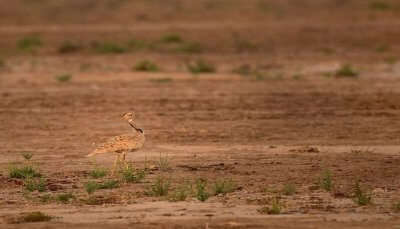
<point>122,144</point>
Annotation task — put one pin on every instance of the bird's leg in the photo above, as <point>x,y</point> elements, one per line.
<point>123,160</point>
<point>116,162</point>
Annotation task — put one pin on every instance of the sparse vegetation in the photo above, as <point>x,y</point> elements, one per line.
<point>180,194</point>
<point>223,187</point>
<point>361,197</point>
<point>146,66</point>
<point>130,175</point>
<point>201,66</point>
<point>379,5</point>
<point>69,47</point>
<point>27,155</point>
<point>23,172</point>
<point>35,184</point>
<point>383,48</point>
<point>98,173</point>
<point>110,184</point>
<point>275,208</point>
<point>29,43</point>
<point>201,190</point>
<point>396,206</point>
<point>172,38</point>
<point>160,187</point>
<point>163,163</point>
<point>289,189</point>
<point>346,71</point>
<point>2,63</point>
<point>63,78</point>
<point>46,198</point>
<point>35,217</point>
<point>135,44</point>
<point>65,197</point>
<point>108,48</point>
<point>325,181</point>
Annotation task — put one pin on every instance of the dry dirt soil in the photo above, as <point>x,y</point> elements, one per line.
<point>303,103</point>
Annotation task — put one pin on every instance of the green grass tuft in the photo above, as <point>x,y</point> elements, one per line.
<point>275,209</point>
<point>23,172</point>
<point>201,190</point>
<point>108,48</point>
<point>98,173</point>
<point>201,66</point>
<point>346,71</point>
<point>63,78</point>
<point>289,189</point>
<point>361,197</point>
<point>172,38</point>
<point>110,184</point>
<point>379,5</point>
<point>29,43</point>
<point>35,217</point>
<point>146,66</point>
<point>190,48</point>
<point>325,181</point>
<point>130,175</point>
<point>65,197</point>
<point>35,184</point>
<point>223,187</point>
<point>91,187</point>
<point>160,187</point>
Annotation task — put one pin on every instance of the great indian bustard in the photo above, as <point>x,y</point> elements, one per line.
<point>122,144</point>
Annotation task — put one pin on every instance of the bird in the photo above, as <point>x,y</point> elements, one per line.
<point>124,143</point>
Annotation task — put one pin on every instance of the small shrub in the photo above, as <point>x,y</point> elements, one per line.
<point>27,155</point>
<point>64,78</point>
<point>110,184</point>
<point>130,175</point>
<point>346,71</point>
<point>160,187</point>
<point>275,208</point>
<point>2,63</point>
<point>325,181</point>
<point>379,5</point>
<point>201,66</point>
<point>161,80</point>
<point>68,47</point>
<point>383,48</point>
<point>146,66</point>
<point>223,187</point>
<point>29,43</point>
<point>201,192</point>
<point>91,187</point>
<point>98,173</point>
<point>390,60</point>
<point>172,38</point>
<point>35,217</point>
<point>361,198</point>
<point>24,172</point>
<point>289,189</point>
<point>65,197</point>
<point>35,184</point>
<point>108,48</point>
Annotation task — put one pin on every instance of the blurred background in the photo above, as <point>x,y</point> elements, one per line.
<point>263,33</point>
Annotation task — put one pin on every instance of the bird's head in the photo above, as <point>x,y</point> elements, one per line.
<point>130,117</point>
